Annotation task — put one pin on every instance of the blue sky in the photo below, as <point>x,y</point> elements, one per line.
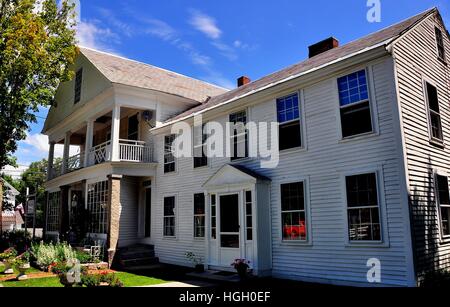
<point>218,41</point>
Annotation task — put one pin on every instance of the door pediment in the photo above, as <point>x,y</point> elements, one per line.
<point>232,175</point>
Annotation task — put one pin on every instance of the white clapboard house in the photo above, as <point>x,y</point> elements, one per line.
<point>364,136</point>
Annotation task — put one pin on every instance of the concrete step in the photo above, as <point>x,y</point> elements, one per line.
<point>139,262</point>
<point>136,254</point>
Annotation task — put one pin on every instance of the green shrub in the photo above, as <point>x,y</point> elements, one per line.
<point>44,254</point>
<point>64,252</point>
<point>436,279</point>
<point>84,257</point>
<point>96,280</point>
<point>19,239</point>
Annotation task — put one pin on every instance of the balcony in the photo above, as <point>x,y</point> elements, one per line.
<point>129,151</point>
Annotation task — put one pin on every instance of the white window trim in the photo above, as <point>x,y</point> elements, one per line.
<point>306,191</point>
<point>372,105</point>
<point>432,139</point>
<point>230,137</point>
<point>378,170</point>
<point>438,172</point>
<point>302,119</point>
<point>164,196</point>
<point>194,215</point>
<point>164,155</point>
<point>252,202</point>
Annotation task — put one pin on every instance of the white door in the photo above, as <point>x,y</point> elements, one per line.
<point>229,232</point>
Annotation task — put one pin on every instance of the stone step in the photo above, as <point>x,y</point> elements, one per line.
<point>136,254</point>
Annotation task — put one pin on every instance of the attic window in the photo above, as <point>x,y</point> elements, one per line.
<point>440,44</point>
<point>78,82</point>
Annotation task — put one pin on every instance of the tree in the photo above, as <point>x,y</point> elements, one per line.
<point>37,49</point>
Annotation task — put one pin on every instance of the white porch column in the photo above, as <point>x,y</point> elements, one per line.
<point>115,131</point>
<point>51,157</point>
<point>66,152</point>
<point>89,138</point>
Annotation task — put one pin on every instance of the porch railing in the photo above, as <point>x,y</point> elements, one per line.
<point>75,162</point>
<point>100,153</point>
<point>134,151</point>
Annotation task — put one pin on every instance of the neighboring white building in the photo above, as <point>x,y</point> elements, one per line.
<point>11,220</point>
<point>363,131</point>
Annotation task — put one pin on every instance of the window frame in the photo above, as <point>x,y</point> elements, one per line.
<point>199,215</point>
<point>436,173</point>
<point>432,139</point>
<point>174,216</point>
<point>437,31</point>
<point>247,215</point>
<point>384,235</point>
<point>52,211</point>
<point>372,104</point>
<point>211,216</point>
<point>174,162</point>
<point>306,196</point>
<point>78,88</point>
<point>232,137</point>
<point>94,199</point>
<point>301,120</point>
<point>204,148</point>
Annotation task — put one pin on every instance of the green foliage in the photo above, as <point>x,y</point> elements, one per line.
<point>19,239</point>
<point>37,49</point>
<point>44,254</point>
<point>96,280</point>
<point>436,279</point>
<point>84,257</point>
<point>8,254</point>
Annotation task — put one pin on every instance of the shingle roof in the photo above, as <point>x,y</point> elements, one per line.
<point>128,72</point>
<point>386,36</point>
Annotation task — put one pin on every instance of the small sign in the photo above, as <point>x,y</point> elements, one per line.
<point>31,207</point>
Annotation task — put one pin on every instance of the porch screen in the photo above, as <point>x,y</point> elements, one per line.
<point>53,211</point>
<point>97,206</point>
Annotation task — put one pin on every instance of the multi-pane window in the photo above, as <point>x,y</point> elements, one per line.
<point>239,135</point>
<point>248,216</point>
<point>199,215</point>
<point>434,113</point>
<point>169,159</point>
<point>354,104</point>
<point>169,216</point>
<point>293,213</point>
<point>213,217</point>
<point>53,211</point>
<point>78,83</point>
<point>444,203</point>
<point>97,203</point>
<point>288,115</point>
<point>200,158</point>
<point>362,208</point>
<point>440,44</point>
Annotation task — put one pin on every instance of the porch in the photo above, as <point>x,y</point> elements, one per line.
<point>119,135</point>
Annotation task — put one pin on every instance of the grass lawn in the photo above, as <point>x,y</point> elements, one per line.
<point>128,279</point>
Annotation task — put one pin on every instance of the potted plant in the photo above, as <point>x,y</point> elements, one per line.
<point>241,266</point>
<point>7,257</point>
<point>197,261</point>
<point>21,266</point>
<point>67,276</point>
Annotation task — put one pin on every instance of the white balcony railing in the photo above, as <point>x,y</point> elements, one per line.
<point>134,151</point>
<point>129,151</point>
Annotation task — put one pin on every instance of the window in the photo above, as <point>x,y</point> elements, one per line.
<point>169,159</point>
<point>440,44</point>
<point>200,158</point>
<point>97,206</point>
<point>169,216</point>
<point>354,104</point>
<point>248,215</point>
<point>288,114</point>
<point>239,136</point>
<point>213,217</point>
<point>293,214</point>
<point>133,128</point>
<point>434,114</point>
<point>363,208</point>
<point>444,204</point>
<point>53,211</point>
<point>78,82</point>
<point>199,215</point>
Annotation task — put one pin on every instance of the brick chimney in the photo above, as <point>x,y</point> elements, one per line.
<point>321,47</point>
<point>243,81</point>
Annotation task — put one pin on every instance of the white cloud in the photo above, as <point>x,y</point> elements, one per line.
<point>37,141</point>
<point>90,34</point>
<point>36,145</point>
<point>14,172</point>
<point>161,29</point>
<point>124,28</point>
<point>225,50</point>
<point>205,24</point>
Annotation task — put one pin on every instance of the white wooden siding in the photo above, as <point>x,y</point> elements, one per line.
<point>129,204</point>
<point>416,57</point>
<point>328,258</point>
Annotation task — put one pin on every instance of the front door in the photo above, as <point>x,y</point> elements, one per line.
<point>229,238</point>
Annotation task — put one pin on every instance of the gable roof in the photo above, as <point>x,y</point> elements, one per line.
<point>377,39</point>
<point>129,72</point>
<point>232,174</point>
<point>12,190</point>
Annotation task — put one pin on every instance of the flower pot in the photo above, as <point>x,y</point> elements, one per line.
<point>199,268</point>
<point>22,272</point>
<point>26,266</point>
<point>8,267</point>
